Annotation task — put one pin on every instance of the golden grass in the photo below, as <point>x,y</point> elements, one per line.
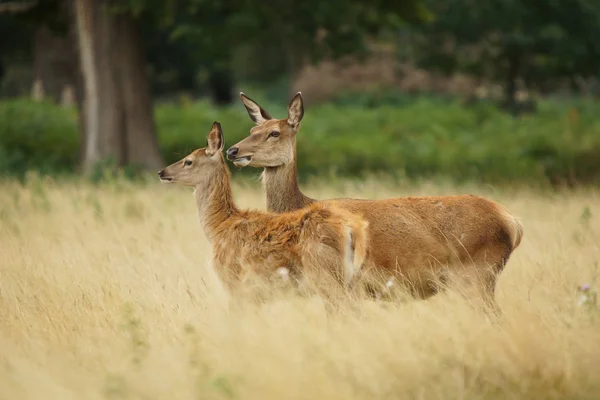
<point>106,292</point>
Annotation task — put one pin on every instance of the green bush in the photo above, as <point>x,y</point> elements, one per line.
<point>423,137</point>
<point>37,136</point>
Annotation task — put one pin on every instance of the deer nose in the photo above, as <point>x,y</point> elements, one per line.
<point>232,152</point>
<point>161,172</point>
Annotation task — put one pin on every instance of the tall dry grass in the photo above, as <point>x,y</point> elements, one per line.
<point>106,292</point>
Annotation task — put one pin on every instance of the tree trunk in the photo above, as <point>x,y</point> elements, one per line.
<point>118,121</point>
<point>54,61</point>
<point>84,15</point>
<point>140,131</point>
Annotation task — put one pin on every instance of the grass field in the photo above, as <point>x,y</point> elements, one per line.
<point>106,292</point>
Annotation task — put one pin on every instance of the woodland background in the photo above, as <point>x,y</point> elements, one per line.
<point>489,91</point>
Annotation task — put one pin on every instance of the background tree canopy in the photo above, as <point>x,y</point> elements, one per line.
<point>507,40</point>
<point>113,39</point>
<point>120,58</point>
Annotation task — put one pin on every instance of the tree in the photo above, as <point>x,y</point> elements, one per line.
<point>117,110</point>
<point>297,31</point>
<point>116,115</point>
<point>42,27</point>
<point>508,40</point>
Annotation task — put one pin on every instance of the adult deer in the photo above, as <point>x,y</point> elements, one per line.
<point>421,240</point>
<point>321,242</point>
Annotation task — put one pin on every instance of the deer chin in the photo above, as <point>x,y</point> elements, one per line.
<point>166,180</point>
<point>242,161</point>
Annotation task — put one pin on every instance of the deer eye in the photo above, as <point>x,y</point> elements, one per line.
<point>274,134</point>
<point>187,163</point>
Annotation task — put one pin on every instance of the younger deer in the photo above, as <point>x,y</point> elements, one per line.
<point>420,240</point>
<point>322,243</point>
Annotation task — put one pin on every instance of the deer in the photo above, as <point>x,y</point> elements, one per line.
<point>321,242</point>
<point>425,242</point>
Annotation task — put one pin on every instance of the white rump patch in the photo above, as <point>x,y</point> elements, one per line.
<point>284,273</point>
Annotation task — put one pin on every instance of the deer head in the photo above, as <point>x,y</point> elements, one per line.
<point>272,142</point>
<point>198,167</point>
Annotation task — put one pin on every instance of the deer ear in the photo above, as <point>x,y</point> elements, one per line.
<point>295,111</point>
<point>214,140</point>
<point>256,112</point>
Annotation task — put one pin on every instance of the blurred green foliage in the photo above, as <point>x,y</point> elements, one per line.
<point>355,135</point>
<point>204,46</point>
<point>538,42</point>
<point>37,136</point>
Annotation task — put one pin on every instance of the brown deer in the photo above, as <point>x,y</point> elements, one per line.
<point>320,242</point>
<point>420,240</point>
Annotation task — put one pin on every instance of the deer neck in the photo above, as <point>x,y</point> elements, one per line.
<point>282,189</point>
<point>214,200</point>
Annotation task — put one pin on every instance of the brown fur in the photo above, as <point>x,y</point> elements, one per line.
<point>415,238</point>
<point>321,242</point>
